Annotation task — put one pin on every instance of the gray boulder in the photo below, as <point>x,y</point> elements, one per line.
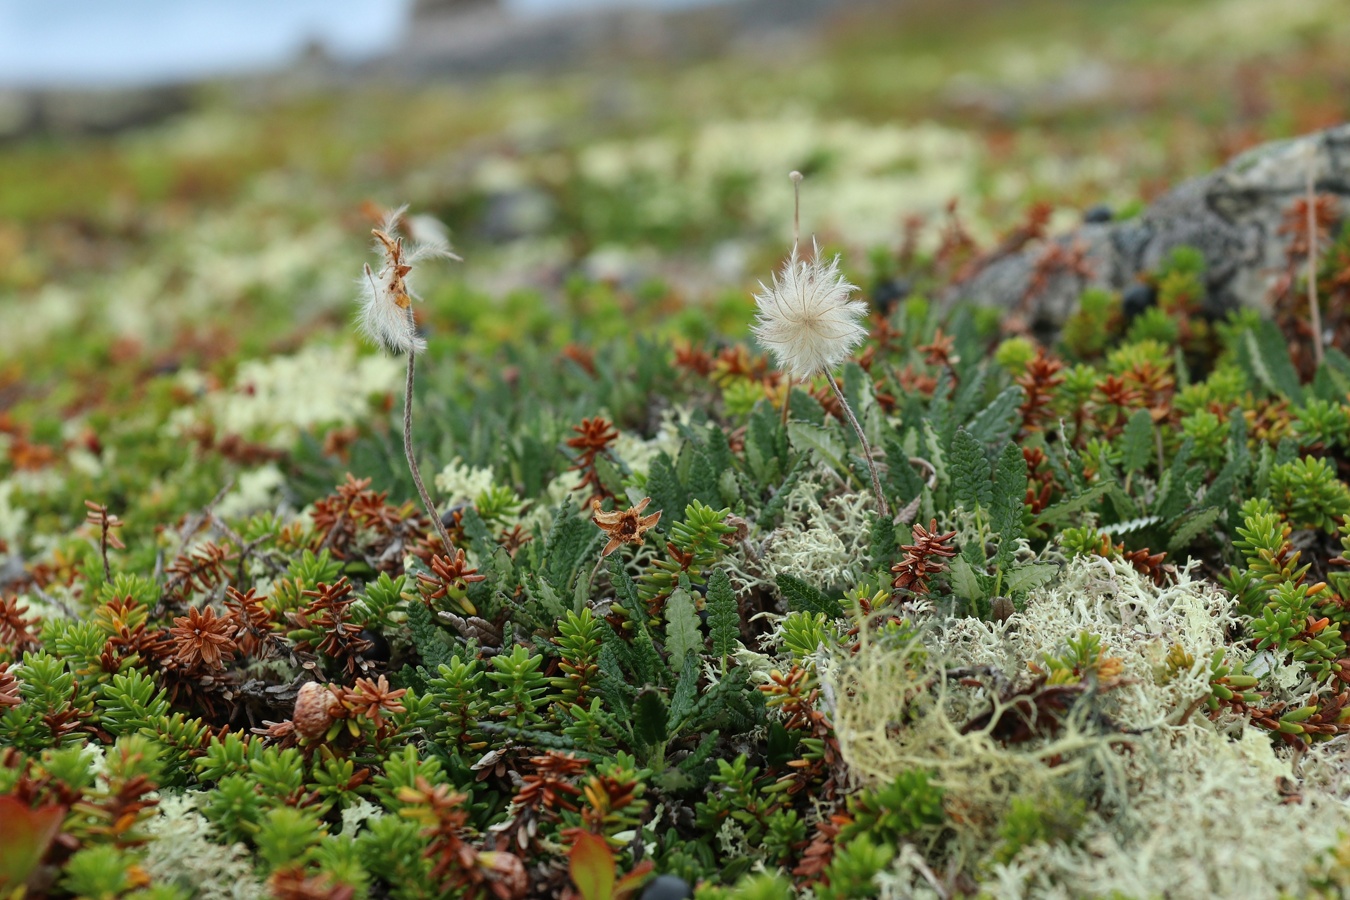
<point>1232,215</point>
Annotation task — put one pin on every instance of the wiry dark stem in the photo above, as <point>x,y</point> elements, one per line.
<point>867,449</point>
<point>412,459</point>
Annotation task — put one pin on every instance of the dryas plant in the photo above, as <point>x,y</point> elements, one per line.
<point>810,322</point>
<point>386,318</point>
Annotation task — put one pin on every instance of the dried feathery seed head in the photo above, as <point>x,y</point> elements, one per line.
<point>807,318</point>
<point>386,316</point>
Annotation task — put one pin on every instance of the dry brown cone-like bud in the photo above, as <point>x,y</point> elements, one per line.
<point>313,710</point>
<point>627,527</point>
<point>922,559</point>
<point>594,436</point>
<point>200,637</point>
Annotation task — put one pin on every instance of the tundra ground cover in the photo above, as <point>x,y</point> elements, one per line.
<point>1099,647</point>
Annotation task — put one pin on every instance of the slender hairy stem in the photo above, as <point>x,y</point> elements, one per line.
<point>867,449</point>
<point>1314,313</point>
<point>796,207</point>
<point>412,459</point>
<point>787,400</point>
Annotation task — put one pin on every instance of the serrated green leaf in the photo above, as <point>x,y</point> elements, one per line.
<point>827,446</point>
<point>1191,526</point>
<point>682,634</point>
<point>1029,577</point>
<point>971,487</point>
<point>1136,442</point>
<point>1062,510</point>
<point>995,423</point>
<point>802,597</point>
<point>938,457</point>
<point>541,592</point>
<point>686,690</point>
<point>1264,353</point>
<point>883,543</point>
<point>724,617</point>
<point>965,582</point>
<point>1009,500</point>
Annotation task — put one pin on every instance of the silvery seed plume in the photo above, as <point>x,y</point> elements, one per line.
<point>806,318</point>
<point>385,315</point>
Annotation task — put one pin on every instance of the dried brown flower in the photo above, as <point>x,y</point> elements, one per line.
<point>372,699</point>
<point>627,527</point>
<point>201,638</point>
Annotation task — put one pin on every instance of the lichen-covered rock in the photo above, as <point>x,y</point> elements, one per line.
<point>1232,215</point>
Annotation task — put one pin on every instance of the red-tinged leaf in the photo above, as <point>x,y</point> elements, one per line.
<point>592,867</point>
<point>25,835</point>
<point>633,880</point>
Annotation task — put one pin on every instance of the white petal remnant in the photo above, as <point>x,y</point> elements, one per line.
<point>386,296</point>
<point>807,319</point>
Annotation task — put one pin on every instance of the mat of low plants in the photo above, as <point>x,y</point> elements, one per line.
<point>716,564</point>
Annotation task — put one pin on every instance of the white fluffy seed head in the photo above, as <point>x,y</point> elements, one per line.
<point>385,314</point>
<point>807,318</point>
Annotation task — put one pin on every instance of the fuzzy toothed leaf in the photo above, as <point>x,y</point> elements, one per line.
<point>724,617</point>
<point>1191,526</point>
<point>682,633</point>
<point>964,580</point>
<point>1029,577</point>
<point>1009,500</point>
<point>649,717</point>
<point>665,489</point>
<point>433,644</point>
<point>1062,510</point>
<point>801,596</point>
<point>571,540</point>
<point>1178,486</point>
<point>826,445</point>
<point>996,422</point>
<point>686,691</point>
<point>882,551</point>
<point>1264,354</point>
<point>1137,442</point>
<point>971,487</point>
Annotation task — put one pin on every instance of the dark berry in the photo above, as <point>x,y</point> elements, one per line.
<point>1137,298</point>
<point>888,293</point>
<point>379,647</point>
<point>1096,215</point>
<point>667,887</point>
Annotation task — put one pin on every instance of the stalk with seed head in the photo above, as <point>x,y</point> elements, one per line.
<point>809,320</point>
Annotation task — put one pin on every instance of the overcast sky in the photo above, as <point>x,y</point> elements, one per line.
<point>119,42</point>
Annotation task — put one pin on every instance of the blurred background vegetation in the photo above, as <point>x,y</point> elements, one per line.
<point>602,170</point>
